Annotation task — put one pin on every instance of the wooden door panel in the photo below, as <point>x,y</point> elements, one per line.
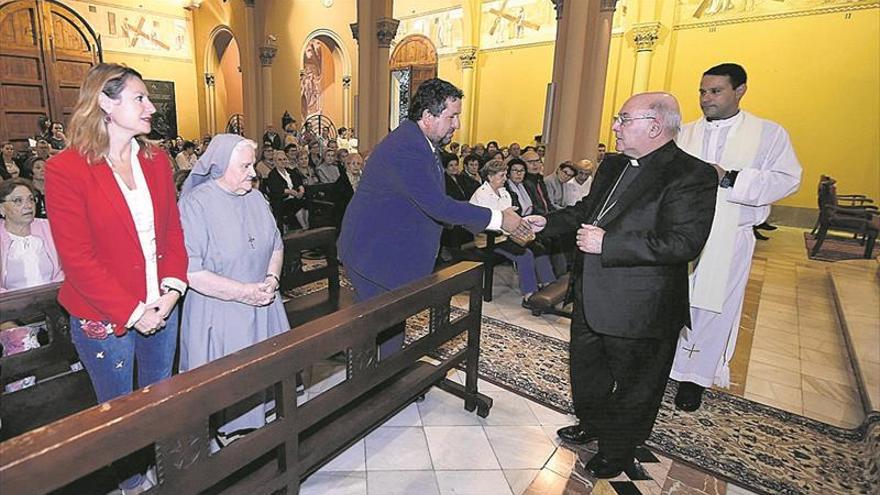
<point>45,52</point>
<point>23,89</point>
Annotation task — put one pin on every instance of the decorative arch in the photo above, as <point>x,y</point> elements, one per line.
<point>320,90</point>
<point>223,81</point>
<point>413,62</point>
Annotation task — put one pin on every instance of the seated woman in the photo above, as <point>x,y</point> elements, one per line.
<point>9,169</point>
<point>235,255</point>
<point>37,168</point>
<point>286,193</point>
<point>533,268</point>
<point>27,251</point>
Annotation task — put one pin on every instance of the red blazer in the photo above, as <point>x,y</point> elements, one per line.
<point>96,239</point>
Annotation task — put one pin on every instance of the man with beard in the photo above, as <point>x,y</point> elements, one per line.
<point>391,229</point>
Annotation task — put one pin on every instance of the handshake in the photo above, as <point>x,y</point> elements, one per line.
<point>522,230</point>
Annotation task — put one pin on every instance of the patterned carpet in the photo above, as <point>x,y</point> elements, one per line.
<point>837,248</point>
<point>760,447</point>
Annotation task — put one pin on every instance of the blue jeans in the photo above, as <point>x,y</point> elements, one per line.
<point>110,362</point>
<point>110,365</point>
<point>532,269</point>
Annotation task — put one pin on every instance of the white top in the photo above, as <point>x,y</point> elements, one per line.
<point>140,205</point>
<point>286,176</point>
<point>27,265</point>
<point>487,197</point>
<point>572,191</point>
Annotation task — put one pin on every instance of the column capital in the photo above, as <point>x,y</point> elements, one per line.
<point>608,5</point>
<point>386,30</point>
<point>645,35</point>
<point>467,55</point>
<point>209,79</point>
<point>267,55</point>
<point>346,82</point>
<point>558,5</point>
<point>354,30</point>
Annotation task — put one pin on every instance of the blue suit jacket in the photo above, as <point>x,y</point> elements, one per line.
<point>391,229</point>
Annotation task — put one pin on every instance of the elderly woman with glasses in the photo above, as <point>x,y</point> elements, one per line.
<point>27,251</point>
<point>534,268</point>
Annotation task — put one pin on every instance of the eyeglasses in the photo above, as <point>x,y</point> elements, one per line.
<point>568,173</point>
<point>623,120</point>
<point>517,170</point>
<point>21,200</point>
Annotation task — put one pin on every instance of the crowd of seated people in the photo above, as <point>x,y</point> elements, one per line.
<point>495,176</point>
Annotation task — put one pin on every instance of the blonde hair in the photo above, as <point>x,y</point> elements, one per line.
<point>88,128</point>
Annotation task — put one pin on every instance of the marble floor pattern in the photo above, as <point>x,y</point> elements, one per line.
<point>790,354</point>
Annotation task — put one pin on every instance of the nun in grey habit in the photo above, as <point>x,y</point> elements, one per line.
<point>235,256</point>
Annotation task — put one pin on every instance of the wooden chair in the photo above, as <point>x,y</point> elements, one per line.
<point>826,195</point>
<point>858,218</point>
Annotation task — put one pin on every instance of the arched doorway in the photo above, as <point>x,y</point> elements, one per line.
<point>38,80</point>
<point>325,78</point>
<point>224,93</point>
<point>413,62</point>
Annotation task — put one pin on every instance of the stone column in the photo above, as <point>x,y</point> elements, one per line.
<point>211,100</point>
<point>267,55</point>
<point>346,101</point>
<point>374,86</point>
<point>467,57</point>
<point>250,85</point>
<point>580,64</point>
<point>644,36</point>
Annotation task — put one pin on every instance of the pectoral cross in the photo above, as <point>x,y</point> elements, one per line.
<point>692,350</point>
<point>251,240</point>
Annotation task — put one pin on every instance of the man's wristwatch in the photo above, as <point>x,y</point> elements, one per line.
<point>729,179</point>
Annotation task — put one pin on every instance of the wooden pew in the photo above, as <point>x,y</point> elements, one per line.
<point>59,391</point>
<point>173,415</point>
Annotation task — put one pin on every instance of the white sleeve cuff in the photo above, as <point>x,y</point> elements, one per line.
<point>173,283</point>
<point>495,222</point>
<point>136,315</point>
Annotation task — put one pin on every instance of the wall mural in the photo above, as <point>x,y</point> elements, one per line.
<point>696,11</point>
<point>165,119</point>
<point>443,28</point>
<point>310,78</point>
<point>137,31</point>
<point>508,23</point>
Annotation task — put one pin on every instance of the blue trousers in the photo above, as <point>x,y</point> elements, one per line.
<point>110,362</point>
<point>110,365</point>
<point>532,269</point>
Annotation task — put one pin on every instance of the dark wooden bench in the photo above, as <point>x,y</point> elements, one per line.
<point>58,391</point>
<point>486,255</point>
<point>173,415</point>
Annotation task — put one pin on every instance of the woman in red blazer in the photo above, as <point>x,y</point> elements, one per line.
<point>117,230</point>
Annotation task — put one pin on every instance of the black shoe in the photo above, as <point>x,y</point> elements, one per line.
<point>765,226</point>
<point>759,236</point>
<point>576,434</point>
<point>689,396</point>
<point>599,467</point>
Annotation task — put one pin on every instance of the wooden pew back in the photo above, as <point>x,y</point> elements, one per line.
<point>173,415</point>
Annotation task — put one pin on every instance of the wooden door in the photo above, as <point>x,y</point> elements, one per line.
<point>45,51</point>
<point>415,53</point>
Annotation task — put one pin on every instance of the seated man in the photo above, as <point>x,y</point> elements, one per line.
<point>579,188</point>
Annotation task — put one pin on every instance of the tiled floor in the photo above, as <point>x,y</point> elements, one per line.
<point>790,355</point>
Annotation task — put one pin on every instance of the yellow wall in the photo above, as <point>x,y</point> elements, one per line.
<point>511,88</point>
<point>179,71</point>
<point>818,76</point>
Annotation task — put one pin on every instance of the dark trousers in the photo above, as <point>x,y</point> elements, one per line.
<point>617,385</point>
<point>391,340</point>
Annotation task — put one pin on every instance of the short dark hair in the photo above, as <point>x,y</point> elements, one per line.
<point>567,165</point>
<point>735,72</point>
<point>471,158</point>
<point>515,161</point>
<point>9,185</point>
<point>448,158</point>
<point>490,143</point>
<point>431,96</point>
<point>188,145</point>
<point>291,146</point>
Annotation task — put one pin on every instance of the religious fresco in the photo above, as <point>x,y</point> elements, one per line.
<point>509,23</point>
<point>137,31</point>
<point>443,28</point>
<point>696,11</point>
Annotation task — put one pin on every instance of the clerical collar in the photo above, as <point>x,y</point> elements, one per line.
<point>719,123</point>
<point>633,162</point>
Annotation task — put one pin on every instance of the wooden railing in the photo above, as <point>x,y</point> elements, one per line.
<point>173,415</point>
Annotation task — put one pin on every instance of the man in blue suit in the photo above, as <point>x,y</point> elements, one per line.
<point>391,229</point>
